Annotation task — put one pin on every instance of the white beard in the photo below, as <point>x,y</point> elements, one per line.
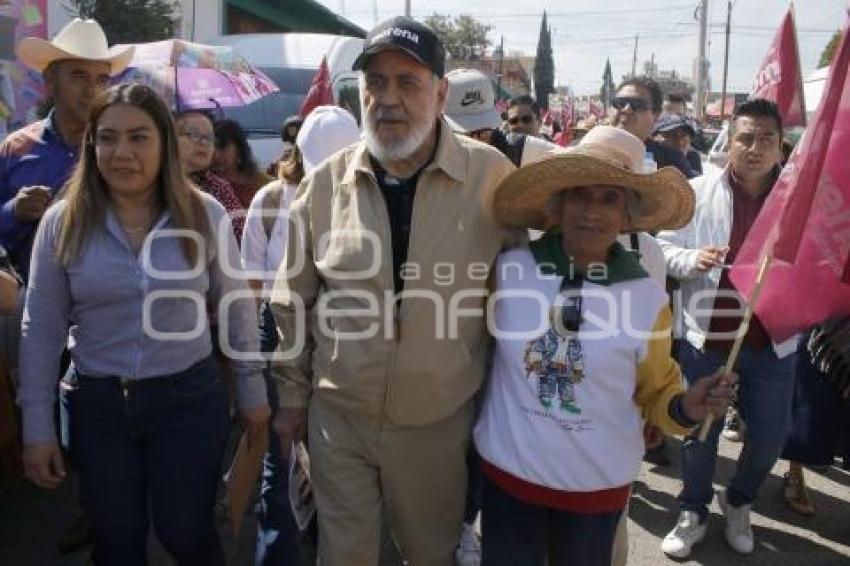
<point>401,148</point>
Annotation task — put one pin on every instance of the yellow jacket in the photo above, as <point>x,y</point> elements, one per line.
<point>412,364</point>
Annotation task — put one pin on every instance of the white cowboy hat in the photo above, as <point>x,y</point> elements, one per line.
<point>605,156</point>
<point>79,39</point>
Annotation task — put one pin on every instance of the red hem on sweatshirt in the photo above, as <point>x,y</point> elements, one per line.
<point>586,502</point>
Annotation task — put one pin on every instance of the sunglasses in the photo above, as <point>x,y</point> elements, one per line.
<point>571,315</point>
<point>571,311</point>
<point>636,103</point>
<point>571,319</point>
<point>525,119</point>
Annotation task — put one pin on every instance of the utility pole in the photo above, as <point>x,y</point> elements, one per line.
<point>726,60</point>
<point>634,57</point>
<point>652,66</point>
<point>375,11</point>
<point>699,104</point>
<point>407,8</point>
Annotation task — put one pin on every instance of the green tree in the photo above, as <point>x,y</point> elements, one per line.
<point>544,66</point>
<point>130,21</point>
<point>829,50</point>
<point>606,93</point>
<point>464,37</point>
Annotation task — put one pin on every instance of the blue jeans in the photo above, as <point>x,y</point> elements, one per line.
<point>157,444</point>
<point>514,533</point>
<point>278,536</point>
<point>766,386</point>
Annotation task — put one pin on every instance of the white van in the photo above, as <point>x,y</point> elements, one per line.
<point>290,60</point>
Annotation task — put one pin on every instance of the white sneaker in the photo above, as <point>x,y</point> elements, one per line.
<point>468,552</point>
<point>688,532</point>
<point>739,533</point>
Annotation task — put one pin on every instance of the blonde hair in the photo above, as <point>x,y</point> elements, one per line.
<point>87,195</point>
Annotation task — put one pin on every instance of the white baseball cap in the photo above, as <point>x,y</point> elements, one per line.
<point>471,103</point>
<point>326,130</point>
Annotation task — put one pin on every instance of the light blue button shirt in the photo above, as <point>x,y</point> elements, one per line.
<point>134,317</point>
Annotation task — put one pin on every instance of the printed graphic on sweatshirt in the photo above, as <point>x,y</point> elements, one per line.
<point>556,361</point>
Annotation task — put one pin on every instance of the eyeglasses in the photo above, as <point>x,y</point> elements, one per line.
<point>635,102</point>
<point>525,119</point>
<point>198,138</point>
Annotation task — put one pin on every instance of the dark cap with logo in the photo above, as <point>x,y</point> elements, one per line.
<point>668,122</point>
<point>405,34</point>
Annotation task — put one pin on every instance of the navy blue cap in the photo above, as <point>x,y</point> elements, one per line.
<point>405,34</point>
<point>667,122</point>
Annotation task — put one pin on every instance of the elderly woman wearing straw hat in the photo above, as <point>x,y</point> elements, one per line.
<point>582,353</point>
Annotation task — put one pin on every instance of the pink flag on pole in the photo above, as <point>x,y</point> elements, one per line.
<point>780,78</point>
<point>805,222</point>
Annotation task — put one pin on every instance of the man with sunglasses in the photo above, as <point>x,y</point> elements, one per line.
<point>524,116</point>
<point>636,107</point>
<point>471,111</point>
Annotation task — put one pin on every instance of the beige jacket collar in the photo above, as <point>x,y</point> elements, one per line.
<point>449,158</point>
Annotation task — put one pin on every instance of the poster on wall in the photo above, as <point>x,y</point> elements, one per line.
<point>20,88</point>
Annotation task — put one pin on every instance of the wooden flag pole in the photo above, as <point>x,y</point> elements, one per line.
<point>761,277</point>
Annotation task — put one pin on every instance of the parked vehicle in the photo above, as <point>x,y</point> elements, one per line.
<point>291,60</point>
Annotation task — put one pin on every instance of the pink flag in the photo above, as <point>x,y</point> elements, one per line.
<point>805,222</point>
<point>320,93</point>
<point>780,78</point>
<point>568,114</point>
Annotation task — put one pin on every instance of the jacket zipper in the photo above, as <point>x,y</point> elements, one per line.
<point>389,282</point>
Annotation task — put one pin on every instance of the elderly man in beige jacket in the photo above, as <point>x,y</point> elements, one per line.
<point>379,305</point>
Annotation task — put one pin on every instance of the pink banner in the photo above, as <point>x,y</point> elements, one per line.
<point>20,88</point>
<point>780,78</point>
<point>805,222</point>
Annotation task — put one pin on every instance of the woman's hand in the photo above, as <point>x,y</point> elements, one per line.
<point>44,464</point>
<point>710,394</point>
<point>255,422</point>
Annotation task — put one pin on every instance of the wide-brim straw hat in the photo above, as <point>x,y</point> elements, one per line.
<point>605,156</point>
<point>79,39</point>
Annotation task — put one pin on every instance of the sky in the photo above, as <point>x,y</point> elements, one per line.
<point>586,32</point>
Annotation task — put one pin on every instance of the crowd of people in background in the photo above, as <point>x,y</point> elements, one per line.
<point>146,252</point>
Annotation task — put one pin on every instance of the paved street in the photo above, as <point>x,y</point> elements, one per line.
<point>31,520</point>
